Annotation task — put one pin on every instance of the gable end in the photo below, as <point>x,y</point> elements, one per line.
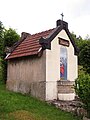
<point>46,42</point>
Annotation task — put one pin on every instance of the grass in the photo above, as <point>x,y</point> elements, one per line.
<point>15,106</point>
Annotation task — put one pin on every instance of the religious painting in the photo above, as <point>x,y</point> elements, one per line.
<point>63,63</point>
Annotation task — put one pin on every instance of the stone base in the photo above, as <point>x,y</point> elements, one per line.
<point>36,89</point>
<point>69,96</point>
<point>66,90</point>
<point>72,106</point>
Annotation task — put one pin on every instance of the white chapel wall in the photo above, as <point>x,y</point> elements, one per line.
<point>72,68</point>
<point>53,65</point>
<point>52,70</point>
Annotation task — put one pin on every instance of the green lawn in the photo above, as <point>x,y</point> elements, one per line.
<point>15,106</point>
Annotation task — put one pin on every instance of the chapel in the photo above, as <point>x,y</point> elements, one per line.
<point>44,64</point>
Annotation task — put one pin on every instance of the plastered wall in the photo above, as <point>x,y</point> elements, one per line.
<point>53,65</point>
<point>27,75</point>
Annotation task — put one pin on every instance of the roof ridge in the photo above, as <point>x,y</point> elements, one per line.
<point>42,31</point>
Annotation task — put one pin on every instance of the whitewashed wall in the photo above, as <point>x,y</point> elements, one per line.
<point>53,66</point>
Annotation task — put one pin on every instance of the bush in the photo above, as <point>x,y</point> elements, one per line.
<point>82,88</point>
<point>81,70</point>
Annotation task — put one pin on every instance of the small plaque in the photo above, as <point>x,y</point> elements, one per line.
<point>63,42</point>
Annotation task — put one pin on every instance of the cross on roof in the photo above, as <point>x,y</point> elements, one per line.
<point>62,16</point>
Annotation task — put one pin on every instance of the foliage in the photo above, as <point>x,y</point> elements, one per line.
<point>15,106</point>
<point>10,37</point>
<point>81,70</point>
<point>1,38</point>
<point>7,39</point>
<point>84,56</point>
<point>78,40</point>
<point>84,51</point>
<point>1,30</point>
<point>1,49</point>
<point>82,88</point>
<point>1,75</point>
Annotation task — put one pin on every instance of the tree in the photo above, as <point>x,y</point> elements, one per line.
<point>78,40</point>
<point>10,37</point>
<point>1,38</point>
<point>1,48</point>
<point>7,39</point>
<point>84,56</point>
<point>84,51</point>
<point>1,29</point>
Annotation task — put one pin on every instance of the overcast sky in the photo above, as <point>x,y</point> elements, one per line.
<point>37,15</point>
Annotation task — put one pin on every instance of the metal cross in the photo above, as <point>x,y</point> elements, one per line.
<point>62,16</point>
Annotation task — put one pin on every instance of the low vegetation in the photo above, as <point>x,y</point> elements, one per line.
<point>15,106</point>
<point>82,88</point>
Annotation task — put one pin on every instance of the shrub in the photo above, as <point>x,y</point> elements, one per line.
<point>82,88</point>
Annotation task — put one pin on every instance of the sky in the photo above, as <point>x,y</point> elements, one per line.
<point>34,16</point>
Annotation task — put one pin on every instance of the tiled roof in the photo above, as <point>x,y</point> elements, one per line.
<point>29,46</point>
<point>32,44</point>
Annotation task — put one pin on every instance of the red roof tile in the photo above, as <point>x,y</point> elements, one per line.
<point>29,46</point>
